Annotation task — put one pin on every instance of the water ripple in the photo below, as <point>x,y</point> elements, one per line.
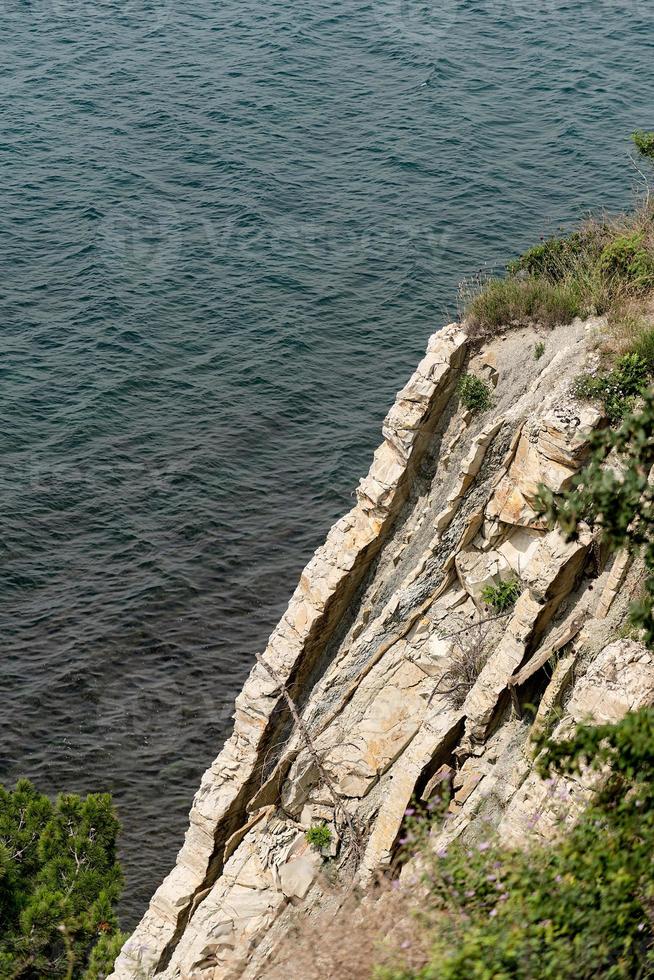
<point>227,231</point>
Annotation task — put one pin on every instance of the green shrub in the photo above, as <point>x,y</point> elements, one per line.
<point>617,389</point>
<point>622,502</point>
<point>474,393</point>
<point>627,260</point>
<point>644,143</point>
<point>552,259</point>
<point>575,909</point>
<point>504,302</point>
<point>319,836</point>
<point>103,956</point>
<point>502,596</point>
<point>539,350</point>
<point>60,882</point>
<point>631,373</point>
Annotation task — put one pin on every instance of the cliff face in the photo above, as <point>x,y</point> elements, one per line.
<point>387,673</point>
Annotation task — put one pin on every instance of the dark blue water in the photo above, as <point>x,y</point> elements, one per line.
<point>227,231</point>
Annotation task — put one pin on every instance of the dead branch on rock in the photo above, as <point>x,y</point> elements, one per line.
<point>356,840</point>
<point>467,664</point>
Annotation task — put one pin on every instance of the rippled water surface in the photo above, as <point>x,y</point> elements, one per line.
<point>227,231</point>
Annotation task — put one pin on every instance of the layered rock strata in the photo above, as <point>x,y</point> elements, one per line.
<point>399,674</point>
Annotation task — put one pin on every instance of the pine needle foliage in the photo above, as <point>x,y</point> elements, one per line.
<point>59,882</point>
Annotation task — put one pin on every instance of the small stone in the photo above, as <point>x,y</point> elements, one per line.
<point>297,876</point>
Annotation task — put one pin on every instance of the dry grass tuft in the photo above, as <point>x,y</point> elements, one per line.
<point>467,663</point>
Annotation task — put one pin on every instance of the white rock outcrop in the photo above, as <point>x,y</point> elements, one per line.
<point>325,589</point>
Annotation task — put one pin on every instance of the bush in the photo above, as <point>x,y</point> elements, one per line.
<point>503,596</point>
<point>552,258</point>
<point>539,350</point>
<point>594,270</point>
<point>627,260</point>
<point>617,389</point>
<point>474,393</point>
<point>644,143</point>
<point>319,836</point>
<point>505,302</point>
<point>577,909</point>
<point>60,882</point>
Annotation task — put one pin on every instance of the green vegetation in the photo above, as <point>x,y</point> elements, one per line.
<point>319,836</point>
<point>577,910</point>
<point>622,503</point>
<point>626,259</point>
<point>644,143</point>
<point>551,258</point>
<point>474,393</point>
<point>539,350</point>
<point>615,389</point>
<point>59,882</point>
<point>503,596</point>
<point>506,302</point>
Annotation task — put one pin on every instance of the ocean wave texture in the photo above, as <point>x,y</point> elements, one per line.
<point>227,230</point>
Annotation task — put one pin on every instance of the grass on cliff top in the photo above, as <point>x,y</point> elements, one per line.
<point>501,303</point>
<point>606,267</point>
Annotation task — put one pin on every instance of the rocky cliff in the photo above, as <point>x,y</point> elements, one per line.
<point>388,673</point>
